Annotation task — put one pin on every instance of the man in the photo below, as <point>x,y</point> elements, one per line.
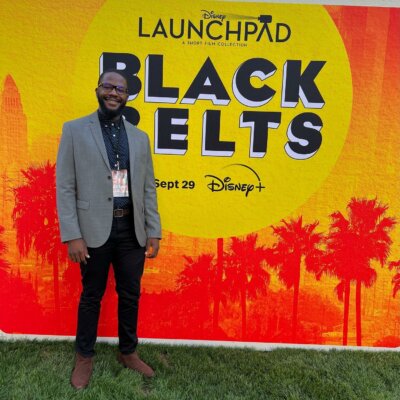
<point>107,207</point>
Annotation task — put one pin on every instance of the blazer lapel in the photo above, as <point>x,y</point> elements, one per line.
<point>97,133</point>
<point>132,148</point>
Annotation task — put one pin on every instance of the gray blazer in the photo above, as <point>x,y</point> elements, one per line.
<point>84,183</point>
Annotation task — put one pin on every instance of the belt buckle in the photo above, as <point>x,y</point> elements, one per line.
<point>118,212</point>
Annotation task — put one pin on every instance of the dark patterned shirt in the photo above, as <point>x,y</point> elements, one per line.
<point>116,141</point>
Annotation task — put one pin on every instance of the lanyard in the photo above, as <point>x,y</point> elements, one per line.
<point>114,131</point>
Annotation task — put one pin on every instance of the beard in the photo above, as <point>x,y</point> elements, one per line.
<point>110,113</point>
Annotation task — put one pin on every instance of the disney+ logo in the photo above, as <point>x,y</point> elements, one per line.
<point>226,183</point>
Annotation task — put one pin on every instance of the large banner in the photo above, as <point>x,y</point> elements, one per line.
<point>275,137</point>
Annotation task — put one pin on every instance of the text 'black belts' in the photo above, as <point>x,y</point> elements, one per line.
<point>121,212</point>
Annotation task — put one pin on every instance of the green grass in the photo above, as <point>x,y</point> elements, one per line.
<point>41,370</point>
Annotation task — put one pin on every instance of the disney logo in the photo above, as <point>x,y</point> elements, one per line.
<point>218,184</point>
<point>212,15</point>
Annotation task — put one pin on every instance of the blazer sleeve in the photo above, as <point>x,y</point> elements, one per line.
<point>152,217</point>
<point>66,188</point>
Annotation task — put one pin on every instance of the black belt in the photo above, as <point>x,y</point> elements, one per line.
<point>121,212</point>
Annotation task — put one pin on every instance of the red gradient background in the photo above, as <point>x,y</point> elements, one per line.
<point>327,274</point>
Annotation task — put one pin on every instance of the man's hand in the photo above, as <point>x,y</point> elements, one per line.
<point>152,246</point>
<point>77,251</point>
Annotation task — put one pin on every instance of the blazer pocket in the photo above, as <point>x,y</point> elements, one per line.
<point>84,205</point>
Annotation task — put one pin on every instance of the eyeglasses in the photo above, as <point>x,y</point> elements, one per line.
<point>108,88</point>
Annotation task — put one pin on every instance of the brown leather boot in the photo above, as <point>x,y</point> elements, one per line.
<point>132,361</point>
<point>82,372</point>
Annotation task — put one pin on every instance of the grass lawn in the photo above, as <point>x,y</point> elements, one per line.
<point>41,370</point>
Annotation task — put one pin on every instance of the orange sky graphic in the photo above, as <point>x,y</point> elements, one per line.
<point>367,167</point>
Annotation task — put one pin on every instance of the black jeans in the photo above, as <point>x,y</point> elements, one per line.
<point>123,251</point>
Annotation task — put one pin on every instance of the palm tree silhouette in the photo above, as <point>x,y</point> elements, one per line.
<point>218,293</point>
<point>245,276</point>
<point>338,262</point>
<point>198,280</point>
<point>352,244</point>
<point>295,244</point>
<point>4,265</point>
<point>36,221</point>
<point>396,279</point>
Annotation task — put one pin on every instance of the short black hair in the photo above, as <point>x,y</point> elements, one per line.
<point>115,71</point>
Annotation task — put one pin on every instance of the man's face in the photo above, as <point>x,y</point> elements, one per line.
<point>110,101</point>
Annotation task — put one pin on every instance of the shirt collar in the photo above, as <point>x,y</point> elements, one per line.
<point>104,120</point>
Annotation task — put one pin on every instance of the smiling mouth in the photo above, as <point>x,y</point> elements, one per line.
<point>112,101</point>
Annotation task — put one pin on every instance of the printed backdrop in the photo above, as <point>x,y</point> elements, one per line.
<point>275,137</point>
